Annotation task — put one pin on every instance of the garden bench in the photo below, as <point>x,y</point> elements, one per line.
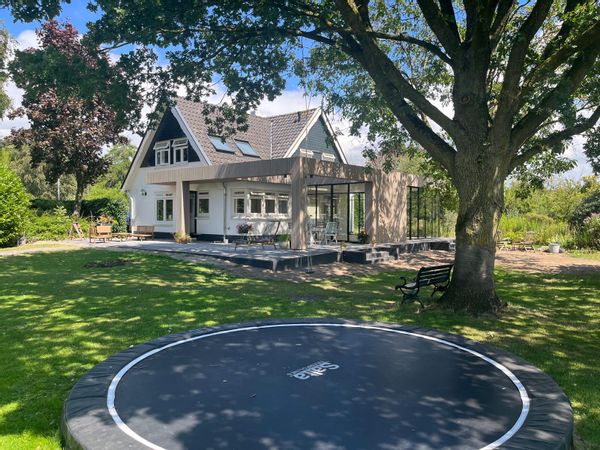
<point>436,276</point>
<point>100,232</point>
<point>264,239</point>
<point>143,232</point>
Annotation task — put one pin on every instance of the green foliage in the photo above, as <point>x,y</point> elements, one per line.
<point>588,234</point>
<point>48,226</point>
<point>4,51</point>
<point>546,229</point>
<point>588,207</point>
<point>119,157</point>
<point>33,178</point>
<point>14,207</point>
<point>115,206</point>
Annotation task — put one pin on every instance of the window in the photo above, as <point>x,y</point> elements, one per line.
<point>220,145</point>
<point>270,205</point>
<point>162,153</point>
<point>328,157</point>
<point>246,148</point>
<point>306,153</point>
<point>283,206</point>
<point>239,205</point>
<point>164,207</point>
<point>203,204</point>
<point>256,205</point>
<point>180,150</point>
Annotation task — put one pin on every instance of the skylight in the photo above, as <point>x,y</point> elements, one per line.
<point>219,143</point>
<point>246,148</point>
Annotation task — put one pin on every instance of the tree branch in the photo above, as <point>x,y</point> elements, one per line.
<point>392,84</point>
<point>432,48</point>
<point>591,37</point>
<point>499,23</point>
<point>555,138</point>
<point>437,23</point>
<point>571,80</point>
<point>508,98</point>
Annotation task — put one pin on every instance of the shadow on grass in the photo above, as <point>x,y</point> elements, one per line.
<point>59,319</point>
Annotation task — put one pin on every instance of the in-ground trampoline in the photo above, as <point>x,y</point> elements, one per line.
<point>315,385</point>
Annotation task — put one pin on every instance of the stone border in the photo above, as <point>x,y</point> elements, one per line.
<point>87,423</point>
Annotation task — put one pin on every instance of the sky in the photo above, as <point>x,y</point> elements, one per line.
<point>292,99</point>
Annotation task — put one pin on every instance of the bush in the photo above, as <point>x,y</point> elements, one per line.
<point>545,228</point>
<point>589,206</point>
<point>115,206</point>
<point>14,207</point>
<point>588,234</point>
<point>49,226</point>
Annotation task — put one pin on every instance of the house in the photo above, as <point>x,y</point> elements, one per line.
<point>286,173</point>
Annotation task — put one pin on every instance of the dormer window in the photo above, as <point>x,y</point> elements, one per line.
<point>246,148</point>
<point>180,151</point>
<point>328,157</point>
<point>162,153</point>
<point>219,144</point>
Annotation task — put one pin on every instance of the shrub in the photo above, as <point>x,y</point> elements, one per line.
<point>49,226</point>
<point>14,207</point>
<point>588,234</point>
<point>115,206</point>
<point>545,228</point>
<point>590,205</point>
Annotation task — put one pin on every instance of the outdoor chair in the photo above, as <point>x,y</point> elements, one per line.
<point>501,243</point>
<point>527,243</point>
<point>330,233</point>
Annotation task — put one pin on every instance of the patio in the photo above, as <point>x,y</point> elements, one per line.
<point>285,259</point>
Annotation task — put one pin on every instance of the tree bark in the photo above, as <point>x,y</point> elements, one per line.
<point>480,189</point>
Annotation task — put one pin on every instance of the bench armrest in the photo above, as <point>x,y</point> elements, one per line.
<point>400,285</point>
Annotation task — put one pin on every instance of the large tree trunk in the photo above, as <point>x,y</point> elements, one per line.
<point>481,198</point>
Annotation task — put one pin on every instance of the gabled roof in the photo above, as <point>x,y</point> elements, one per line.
<point>286,130</point>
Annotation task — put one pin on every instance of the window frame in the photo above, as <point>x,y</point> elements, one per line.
<point>202,196</point>
<point>252,154</point>
<point>161,203</point>
<point>161,147</point>
<point>180,146</point>
<point>224,146</point>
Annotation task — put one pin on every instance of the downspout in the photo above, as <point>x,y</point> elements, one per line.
<point>225,203</point>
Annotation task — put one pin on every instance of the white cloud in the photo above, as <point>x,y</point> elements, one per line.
<point>27,39</point>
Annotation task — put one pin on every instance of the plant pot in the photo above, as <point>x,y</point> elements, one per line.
<point>553,247</point>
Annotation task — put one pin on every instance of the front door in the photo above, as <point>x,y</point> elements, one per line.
<point>193,211</point>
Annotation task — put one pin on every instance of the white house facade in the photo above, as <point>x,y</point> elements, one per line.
<point>286,173</point>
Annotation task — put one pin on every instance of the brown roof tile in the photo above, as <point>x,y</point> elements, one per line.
<point>280,131</point>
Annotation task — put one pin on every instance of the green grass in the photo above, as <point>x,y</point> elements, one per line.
<point>586,254</point>
<point>59,319</point>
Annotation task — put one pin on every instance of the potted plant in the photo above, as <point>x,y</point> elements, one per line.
<point>284,241</point>
<point>363,237</point>
<point>244,228</point>
<point>182,238</point>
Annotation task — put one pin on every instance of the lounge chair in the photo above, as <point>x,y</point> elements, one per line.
<point>330,233</point>
<point>260,239</point>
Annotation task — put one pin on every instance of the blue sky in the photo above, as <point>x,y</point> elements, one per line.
<point>292,99</point>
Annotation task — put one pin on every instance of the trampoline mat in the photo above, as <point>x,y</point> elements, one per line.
<point>319,386</point>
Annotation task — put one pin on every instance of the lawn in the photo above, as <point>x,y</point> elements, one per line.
<point>60,318</point>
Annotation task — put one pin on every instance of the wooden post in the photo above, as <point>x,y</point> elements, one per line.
<point>370,210</point>
<point>299,214</point>
<point>182,207</point>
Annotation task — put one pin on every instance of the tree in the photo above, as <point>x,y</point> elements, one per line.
<point>14,207</point>
<point>18,159</point>
<point>4,53</point>
<point>67,130</point>
<point>119,157</point>
<point>520,78</point>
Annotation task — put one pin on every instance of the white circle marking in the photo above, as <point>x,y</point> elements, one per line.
<point>110,397</point>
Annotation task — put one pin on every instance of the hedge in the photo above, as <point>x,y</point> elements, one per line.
<point>115,208</point>
<point>14,207</point>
